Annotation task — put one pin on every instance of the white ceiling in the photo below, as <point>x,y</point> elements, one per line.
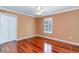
<point>31,10</point>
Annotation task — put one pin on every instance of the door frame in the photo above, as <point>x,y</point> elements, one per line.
<point>16,21</point>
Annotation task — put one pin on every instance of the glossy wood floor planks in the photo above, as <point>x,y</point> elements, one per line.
<point>36,45</point>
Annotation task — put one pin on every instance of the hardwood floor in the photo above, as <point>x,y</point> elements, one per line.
<point>36,45</point>
<point>9,47</point>
<point>31,45</point>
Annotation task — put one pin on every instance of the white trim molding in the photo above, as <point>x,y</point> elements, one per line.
<point>15,11</point>
<point>51,38</point>
<point>70,42</point>
<point>30,36</point>
<point>67,10</point>
<point>48,25</point>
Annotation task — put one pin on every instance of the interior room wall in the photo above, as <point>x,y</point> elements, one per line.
<point>65,26</point>
<point>26,25</point>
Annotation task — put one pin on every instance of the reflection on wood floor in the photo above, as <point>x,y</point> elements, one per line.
<point>31,45</point>
<point>9,47</point>
<point>36,45</point>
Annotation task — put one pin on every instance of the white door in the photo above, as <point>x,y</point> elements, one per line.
<point>8,28</point>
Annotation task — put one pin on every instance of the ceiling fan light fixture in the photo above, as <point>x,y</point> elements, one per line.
<point>39,11</point>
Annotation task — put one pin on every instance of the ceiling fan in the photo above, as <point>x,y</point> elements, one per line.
<point>40,11</point>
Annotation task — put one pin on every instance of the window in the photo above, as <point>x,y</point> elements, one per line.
<point>48,25</point>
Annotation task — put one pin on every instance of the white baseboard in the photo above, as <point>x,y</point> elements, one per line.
<point>30,36</point>
<point>26,37</point>
<point>70,42</point>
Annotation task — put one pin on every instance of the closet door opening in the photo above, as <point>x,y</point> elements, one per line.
<point>8,28</point>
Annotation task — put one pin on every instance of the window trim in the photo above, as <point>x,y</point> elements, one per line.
<point>49,19</point>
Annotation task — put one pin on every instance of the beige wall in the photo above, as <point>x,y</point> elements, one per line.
<point>26,25</point>
<point>66,25</point>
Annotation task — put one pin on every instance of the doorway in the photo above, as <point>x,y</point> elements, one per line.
<point>8,28</point>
